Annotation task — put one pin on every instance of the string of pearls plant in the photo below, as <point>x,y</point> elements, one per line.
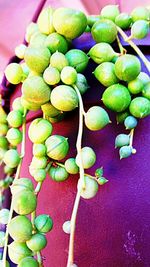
<point>51,74</point>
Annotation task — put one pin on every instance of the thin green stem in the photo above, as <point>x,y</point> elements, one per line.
<point>38,188</point>
<point>48,166</point>
<point>79,138</point>
<point>23,138</point>
<point>134,46</point>
<point>131,141</point>
<point>123,51</point>
<point>81,107</point>
<point>39,259</point>
<point>78,195</point>
<point>16,177</point>
<point>33,216</point>
<point>131,137</point>
<point>129,38</point>
<point>92,177</point>
<point>73,227</point>
<point>60,164</point>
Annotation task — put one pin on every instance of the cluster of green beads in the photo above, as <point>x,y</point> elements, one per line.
<point>52,75</point>
<point>29,238</point>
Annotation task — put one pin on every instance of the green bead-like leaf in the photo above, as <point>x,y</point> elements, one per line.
<point>102,180</point>
<point>99,172</point>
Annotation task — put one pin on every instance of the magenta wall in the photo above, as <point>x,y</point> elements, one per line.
<point>112,228</point>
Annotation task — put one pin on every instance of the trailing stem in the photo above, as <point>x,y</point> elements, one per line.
<point>131,141</point>
<point>16,177</point>
<point>123,51</point>
<point>39,259</point>
<point>131,137</point>
<point>77,199</point>
<point>33,216</point>
<point>134,46</point>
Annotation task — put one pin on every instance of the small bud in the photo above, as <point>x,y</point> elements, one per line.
<point>122,140</point>
<point>130,122</point>
<point>140,29</point>
<point>43,223</point>
<point>102,180</point>
<point>125,152</point>
<point>67,227</point>
<point>99,172</point>
<point>133,151</point>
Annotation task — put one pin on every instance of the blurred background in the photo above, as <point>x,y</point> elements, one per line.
<point>15,16</point>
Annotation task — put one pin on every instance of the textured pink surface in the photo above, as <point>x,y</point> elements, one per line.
<point>113,227</point>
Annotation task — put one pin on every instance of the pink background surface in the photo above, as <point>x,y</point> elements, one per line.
<point>112,228</point>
